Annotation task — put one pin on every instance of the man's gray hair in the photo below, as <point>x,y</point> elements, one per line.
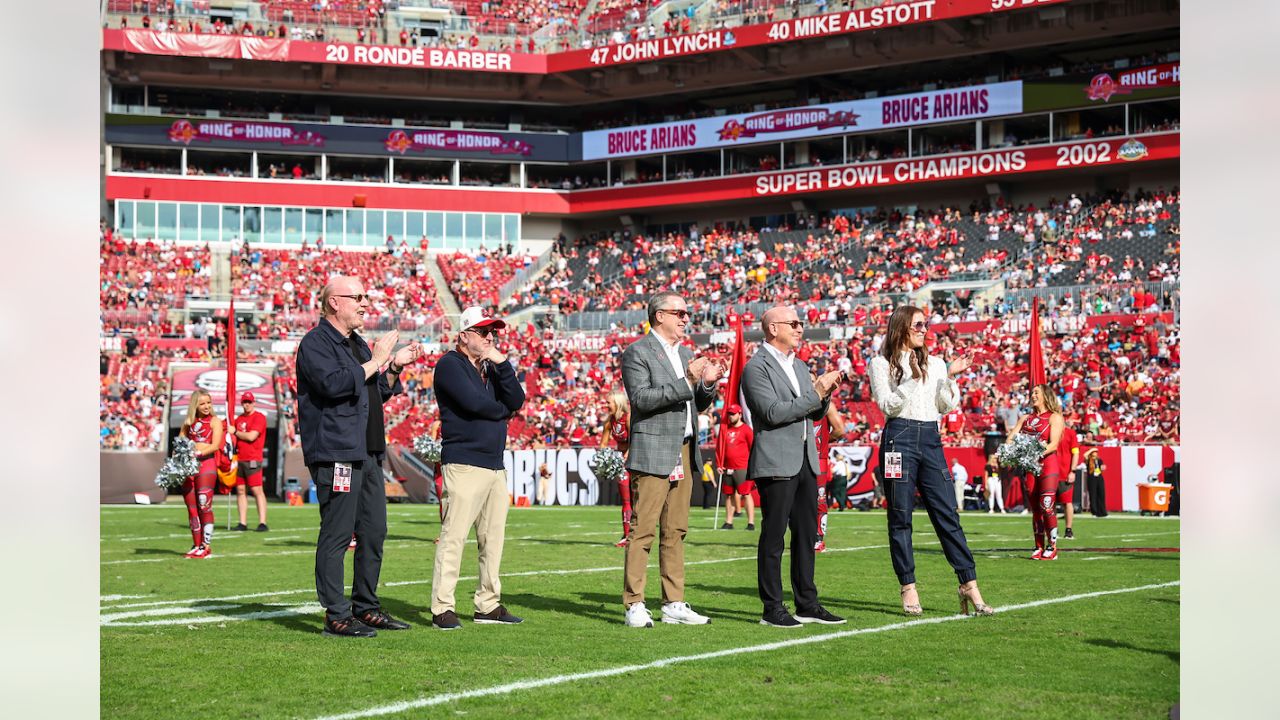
<point>323,299</point>
<point>656,303</point>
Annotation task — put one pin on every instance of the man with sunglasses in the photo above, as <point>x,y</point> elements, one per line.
<point>342,384</point>
<point>667,388</point>
<point>478,393</point>
<point>785,403</point>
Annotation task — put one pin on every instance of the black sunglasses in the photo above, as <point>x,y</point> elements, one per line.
<point>682,314</point>
<point>482,331</point>
<point>795,324</point>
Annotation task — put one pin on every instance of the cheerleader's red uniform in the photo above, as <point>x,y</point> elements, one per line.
<point>620,432</point>
<point>197,491</point>
<point>822,437</point>
<point>1042,490</point>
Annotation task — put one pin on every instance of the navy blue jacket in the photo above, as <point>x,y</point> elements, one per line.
<point>333,408</point>
<point>474,414</point>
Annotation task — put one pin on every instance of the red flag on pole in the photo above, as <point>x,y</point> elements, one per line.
<point>731,393</point>
<point>231,360</point>
<point>1037,354</point>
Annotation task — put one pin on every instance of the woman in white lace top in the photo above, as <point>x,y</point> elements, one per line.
<point>913,391</point>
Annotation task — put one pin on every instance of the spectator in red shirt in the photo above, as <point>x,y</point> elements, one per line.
<point>251,436</point>
<point>733,475</point>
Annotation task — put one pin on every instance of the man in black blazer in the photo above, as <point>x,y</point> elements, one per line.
<point>342,384</point>
<point>784,404</point>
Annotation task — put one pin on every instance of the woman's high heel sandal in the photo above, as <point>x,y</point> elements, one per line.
<point>965,599</point>
<point>910,609</point>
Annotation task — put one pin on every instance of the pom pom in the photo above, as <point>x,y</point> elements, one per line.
<point>607,465</point>
<point>1023,453</point>
<point>180,465</point>
<point>427,448</point>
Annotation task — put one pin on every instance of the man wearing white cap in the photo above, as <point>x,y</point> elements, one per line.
<point>478,392</point>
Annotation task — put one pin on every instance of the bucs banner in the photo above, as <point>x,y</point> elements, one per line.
<point>1105,86</point>
<point>184,132</point>
<point>573,483</point>
<point>315,138</point>
<point>400,141</point>
<point>968,103</point>
<point>214,380</point>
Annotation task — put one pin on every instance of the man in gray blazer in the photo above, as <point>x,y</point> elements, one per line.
<point>784,404</point>
<point>667,387</point>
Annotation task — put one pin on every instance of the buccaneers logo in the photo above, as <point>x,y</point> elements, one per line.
<point>182,131</point>
<point>1102,87</point>
<point>398,141</point>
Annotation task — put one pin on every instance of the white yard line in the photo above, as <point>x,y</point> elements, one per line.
<point>508,688</point>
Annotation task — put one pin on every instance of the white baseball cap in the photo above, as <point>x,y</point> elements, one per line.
<point>477,316</point>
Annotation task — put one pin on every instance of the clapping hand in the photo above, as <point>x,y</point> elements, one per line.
<point>827,382</point>
<point>383,346</point>
<point>696,367</point>
<point>711,372</point>
<point>407,354</point>
<point>960,364</point>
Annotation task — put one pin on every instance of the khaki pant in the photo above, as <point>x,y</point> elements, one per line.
<point>472,497</point>
<point>658,501</point>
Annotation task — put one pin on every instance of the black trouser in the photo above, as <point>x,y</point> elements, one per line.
<point>362,511</point>
<point>925,468</point>
<point>1097,494</point>
<point>788,502</point>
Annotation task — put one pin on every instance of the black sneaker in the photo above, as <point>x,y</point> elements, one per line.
<point>779,618</point>
<point>347,627</point>
<point>240,528</point>
<point>262,527</point>
<point>1070,535</point>
<point>819,615</point>
<point>751,526</point>
<point>447,620</point>
<point>497,616</point>
<point>382,621</point>
<point>727,526</point>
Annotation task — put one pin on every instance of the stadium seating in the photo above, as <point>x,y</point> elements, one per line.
<point>477,279</point>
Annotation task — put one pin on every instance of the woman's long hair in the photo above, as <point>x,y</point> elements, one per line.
<point>1050,399</point>
<point>896,339</point>
<point>192,403</point>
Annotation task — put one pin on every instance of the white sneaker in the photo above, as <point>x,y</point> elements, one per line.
<point>681,614</point>
<point>638,616</point>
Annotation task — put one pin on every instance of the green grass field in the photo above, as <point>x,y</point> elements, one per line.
<point>238,635</point>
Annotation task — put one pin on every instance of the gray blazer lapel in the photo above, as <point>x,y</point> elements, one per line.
<point>660,355</point>
<point>779,375</point>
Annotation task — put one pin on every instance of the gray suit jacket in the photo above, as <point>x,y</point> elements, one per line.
<point>779,416</point>
<point>659,401</point>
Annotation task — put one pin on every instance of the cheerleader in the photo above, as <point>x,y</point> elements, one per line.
<point>617,426</point>
<point>1041,491</point>
<point>204,429</point>
<point>830,427</point>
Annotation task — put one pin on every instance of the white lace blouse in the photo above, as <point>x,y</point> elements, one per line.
<point>926,399</point>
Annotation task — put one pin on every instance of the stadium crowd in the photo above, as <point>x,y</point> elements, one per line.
<point>1107,267</point>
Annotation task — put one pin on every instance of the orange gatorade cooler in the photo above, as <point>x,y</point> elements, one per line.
<point>1154,497</point>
